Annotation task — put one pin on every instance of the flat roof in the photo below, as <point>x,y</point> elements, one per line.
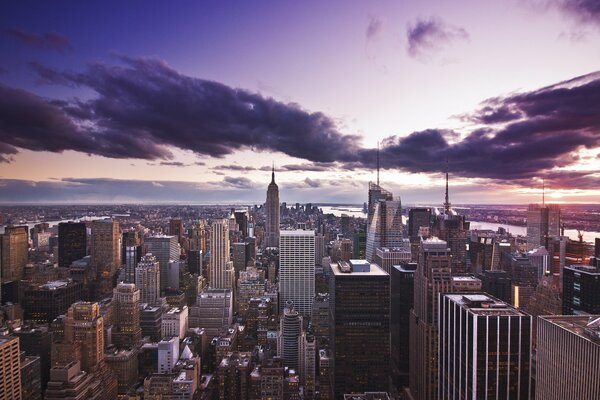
<point>297,232</point>
<point>484,304</point>
<point>580,325</point>
<point>375,271</point>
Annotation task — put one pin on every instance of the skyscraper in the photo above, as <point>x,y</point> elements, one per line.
<point>401,302</point>
<point>221,274</point>
<point>165,249</point>
<point>543,223</point>
<point>14,247</point>
<point>290,333</point>
<point>418,218</point>
<point>131,252</point>
<point>484,349</point>
<point>176,228</point>
<point>432,277</point>
<point>581,290</point>
<point>105,250</point>
<point>72,243</point>
<point>385,228</point>
<point>272,214</point>
<point>126,309</point>
<point>297,270</point>
<point>10,377</point>
<point>147,279</point>
<point>568,355</point>
<point>376,193</point>
<point>360,330</point>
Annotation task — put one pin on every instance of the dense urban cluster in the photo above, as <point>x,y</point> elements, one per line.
<point>279,301</point>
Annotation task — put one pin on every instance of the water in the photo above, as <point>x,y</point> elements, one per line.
<point>521,230</point>
<point>351,211</point>
<point>30,225</point>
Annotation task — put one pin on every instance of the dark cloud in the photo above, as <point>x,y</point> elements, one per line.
<point>374,28</point>
<point>428,36</point>
<point>143,107</point>
<point>48,40</point>
<point>238,182</point>
<point>526,135</point>
<point>583,10</point>
<point>147,100</point>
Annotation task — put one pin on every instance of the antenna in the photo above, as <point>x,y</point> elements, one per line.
<point>378,163</point>
<point>543,193</point>
<point>273,173</point>
<point>447,202</point>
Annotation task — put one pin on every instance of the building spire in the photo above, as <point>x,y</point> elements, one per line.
<point>447,202</point>
<point>273,173</point>
<point>543,193</point>
<point>378,163</point>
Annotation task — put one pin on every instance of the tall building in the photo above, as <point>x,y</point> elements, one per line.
<point>401,302</point>
<point>484,349</point>
<point>581,290</point>
<point>176,228</point>
<point>72,243</point>
<point>272,214</point>
<point>221,274</point>
<point>105,250</point>
<point>69,381</point>
<point>124,364</point>
<point>433,277</point>
<point>175,322</point>
<point>165,249</point>
<point>543,223</point>
<point>241,219</point>
<point>147,279</point>
<point>290,333</point>
<point>568,355</point>
<point>31,377</point>
<point>10,375</point>
<point>14,247</point>
<point>233,375</point>
<point>168,354</point>
<point>85,326</point>
<point>213,311</point>
<point>376,193</point>
<point>131,252</point>
<point>385,228</point>
<point>297,270</point>
<point>360,327</point>
<point>387,257</point>
<point>126,308</point>
<point>418,218</point>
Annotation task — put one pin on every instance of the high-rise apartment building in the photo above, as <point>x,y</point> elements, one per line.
<point>484,349</point>
<point>568,355</point>
<point>221,274</point>
<point>297,270</point>
<point>360,327</point>
<point>72,243</point>
<point>126,308</point>
<point>147,279</point>
<point>14,247</point>
<point>165,249</point>
<point>385,228</point>
<point>272,214</point>
<point>543,223</point>
<point>10,371</point>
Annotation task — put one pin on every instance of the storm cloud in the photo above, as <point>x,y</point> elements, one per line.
<point>142,108</point>
<point>48,40</point>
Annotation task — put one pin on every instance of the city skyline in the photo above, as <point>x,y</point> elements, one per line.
<point>192,103</point>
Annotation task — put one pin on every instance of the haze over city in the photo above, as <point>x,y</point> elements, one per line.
<point>194,102</point>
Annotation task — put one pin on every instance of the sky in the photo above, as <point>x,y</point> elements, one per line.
<point>195,102</point>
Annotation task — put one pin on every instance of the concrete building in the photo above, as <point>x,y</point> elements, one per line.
<point>10,376</point>
<point>126,330</point>
<point>72,243</point>
<point>175,322</point>
<point>220,268</point>
<point>213,311</point>
<point>581,290</point>
<point>147,279</point>
<point>14,248</point>
<point>168,354</point>
<point>297,270</point>
<point>543,223</point>
<point>568,355</point>
<point>387,257</point>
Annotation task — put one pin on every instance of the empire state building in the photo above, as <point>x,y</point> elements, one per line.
<point>272,214</point>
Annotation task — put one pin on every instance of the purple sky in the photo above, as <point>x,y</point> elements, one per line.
<point>143,102</point>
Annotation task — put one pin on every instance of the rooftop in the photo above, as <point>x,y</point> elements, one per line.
<point>484,304</point>
<point>584,326</point>
<point>297,232</point>
<point>339,270</point>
